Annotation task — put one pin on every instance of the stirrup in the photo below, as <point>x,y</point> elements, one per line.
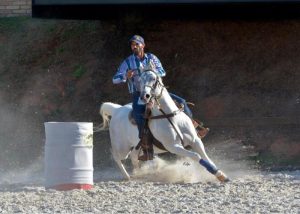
<point>202,132</point>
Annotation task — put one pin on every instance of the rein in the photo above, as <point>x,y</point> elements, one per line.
<point>164,115</point>
<point>170,121</point>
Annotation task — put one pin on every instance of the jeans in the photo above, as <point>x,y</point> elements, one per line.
<point>138,112</point>
<point>182,101</point>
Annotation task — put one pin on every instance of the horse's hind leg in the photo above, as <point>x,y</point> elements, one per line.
<point>117,159</point>
<point>207,162</point>
<point>123,170</point>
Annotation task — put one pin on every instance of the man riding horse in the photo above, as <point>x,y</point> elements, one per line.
<point>129,71</point>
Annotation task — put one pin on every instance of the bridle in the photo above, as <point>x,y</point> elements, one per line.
<point>154,86</point>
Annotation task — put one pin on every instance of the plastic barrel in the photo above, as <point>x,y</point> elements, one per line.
<point>69,155</point>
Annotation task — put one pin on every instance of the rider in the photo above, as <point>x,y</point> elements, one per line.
<point>129,71</point>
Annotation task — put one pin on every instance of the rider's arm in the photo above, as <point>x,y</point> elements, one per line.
<point>120,76</point>
<point>158,66</point>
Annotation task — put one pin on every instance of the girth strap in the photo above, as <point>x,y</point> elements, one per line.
<point>164,115</point>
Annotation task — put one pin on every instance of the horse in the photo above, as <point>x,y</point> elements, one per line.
<point>174,129</point>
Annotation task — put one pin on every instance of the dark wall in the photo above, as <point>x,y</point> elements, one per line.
<point>72,2</point>
<point>208,9</point>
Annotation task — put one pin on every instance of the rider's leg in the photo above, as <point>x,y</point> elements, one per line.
<point>138,114</point>
<point>201,131</point>
<point>182,101</point>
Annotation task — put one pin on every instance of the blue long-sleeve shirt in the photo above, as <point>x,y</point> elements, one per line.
<point>134,63</point>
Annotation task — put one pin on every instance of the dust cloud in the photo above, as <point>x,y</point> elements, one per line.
<point>32,174</point>
<point>230,156</point>
<point>185,170</point>
<point>182,170</point>
<point>20,157</point>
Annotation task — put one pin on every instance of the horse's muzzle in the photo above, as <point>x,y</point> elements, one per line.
<point>145,97</point>
<point>141,101</point>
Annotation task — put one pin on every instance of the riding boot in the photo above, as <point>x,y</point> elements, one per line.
<point>147,155</point>
<point>147,145</point>
<point>200,129</point>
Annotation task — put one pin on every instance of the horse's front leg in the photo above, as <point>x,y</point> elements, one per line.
<point>207,162</point>
<point>179,150</point>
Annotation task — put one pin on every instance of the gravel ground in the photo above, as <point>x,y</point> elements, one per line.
<point>170,188</point>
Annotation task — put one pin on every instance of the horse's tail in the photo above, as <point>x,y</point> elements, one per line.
<point>106,111</point>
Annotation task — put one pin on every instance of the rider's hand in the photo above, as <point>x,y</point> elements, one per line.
<point>129,74</point>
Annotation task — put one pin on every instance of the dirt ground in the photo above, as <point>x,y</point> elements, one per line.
<point>243,76</point>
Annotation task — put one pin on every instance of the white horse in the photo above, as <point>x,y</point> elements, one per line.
<point>175,132</point>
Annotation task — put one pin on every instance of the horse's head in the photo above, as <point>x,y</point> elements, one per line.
<point>150,86</point>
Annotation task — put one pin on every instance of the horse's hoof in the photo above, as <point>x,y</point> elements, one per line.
<point>222,177</point>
